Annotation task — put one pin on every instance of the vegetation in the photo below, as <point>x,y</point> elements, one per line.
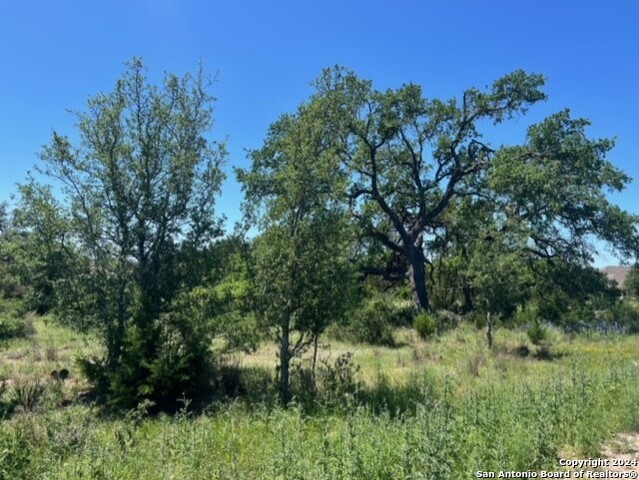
<point>632,281</point>
<point>421,409</point>
<point>339,333</point>
<point>303,276</point>
<point>139,193</point>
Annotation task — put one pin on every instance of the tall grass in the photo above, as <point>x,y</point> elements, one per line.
<point>442,409</point>
<point>519,425</point>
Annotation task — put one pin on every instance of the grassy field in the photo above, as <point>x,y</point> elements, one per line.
<point>444,408</point>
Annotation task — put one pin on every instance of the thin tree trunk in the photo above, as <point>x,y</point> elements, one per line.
<point>121,327</point>
<point>285,360</point>
<point>315,347</point>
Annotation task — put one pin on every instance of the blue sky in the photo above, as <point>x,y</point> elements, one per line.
<point>53,55</point>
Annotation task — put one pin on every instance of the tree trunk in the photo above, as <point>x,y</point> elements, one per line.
<point>116,350</point>
<point>417,276</point>
<point>315,348</point>
<point>469,305</point>
<point>489,331</point>
<point>285,360</point>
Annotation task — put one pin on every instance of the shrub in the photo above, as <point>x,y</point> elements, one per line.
<point>476,318</point>
<point>26,393</point>
<point>12,327</point>
<point>579,317</point>
<point>336,383</point>
<point>16,455</point>
<point>375,322</point>
<point>537,333</point>
<point>632,281</point>
<point>5,407</point>
<point>426,325</point>
<point>374,330</point>
<point>168,359</point>
<point>626,313</point>
<point>527,315</point>
<point>447,320</point>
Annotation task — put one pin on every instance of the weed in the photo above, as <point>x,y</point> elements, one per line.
<point>51,353</point>
<point>26,392</point>
<point>459,410</point>
<point>476,363</point>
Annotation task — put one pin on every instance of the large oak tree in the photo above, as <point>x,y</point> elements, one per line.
<point>411,159</point>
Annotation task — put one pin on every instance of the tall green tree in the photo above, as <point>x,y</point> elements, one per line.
<point>498,274</point>
<point>42,253</point>
<point>11,285</point>
<point>411,160</point>
<point>410,157</point>
<point>4,217</point>
<point>303,277</point>
<point>554,186</point>
<point>140,187</point>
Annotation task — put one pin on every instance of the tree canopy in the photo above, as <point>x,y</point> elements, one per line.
<point>356,182</point>
<point>411,159</point>
<point>139,189</point>
<point>303,276</point>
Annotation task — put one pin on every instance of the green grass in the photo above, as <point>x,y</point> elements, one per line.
<point>49,347</point>
<point>438,409</point>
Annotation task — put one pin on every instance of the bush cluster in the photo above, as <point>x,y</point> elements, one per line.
<point>375,322</point>
<point>12,327</point>
<point>426,325</point>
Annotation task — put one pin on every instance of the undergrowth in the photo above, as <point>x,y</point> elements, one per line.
<point>441,409</point>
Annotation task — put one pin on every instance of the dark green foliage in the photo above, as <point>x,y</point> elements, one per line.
<point>230,299</point>
<point>10,285</point>
<point>561,287</point>
<point>41,256</point>
<point>526,315</point>
<point>631,285</point>
<point>171,362</point>
<point>13,327</point>
<point>626,314</point>
<point>537,333</point>
<point>302,277</point>
<point>555,187</point>
<point>376,320</point>
<point>578,317</point>
<point>374,329</point>
<point>410,158</point>
<point>133,232</point>
<point>426,324</point>
<point>14,323</point>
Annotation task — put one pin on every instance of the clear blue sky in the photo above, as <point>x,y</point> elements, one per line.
<point>53,55</point>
